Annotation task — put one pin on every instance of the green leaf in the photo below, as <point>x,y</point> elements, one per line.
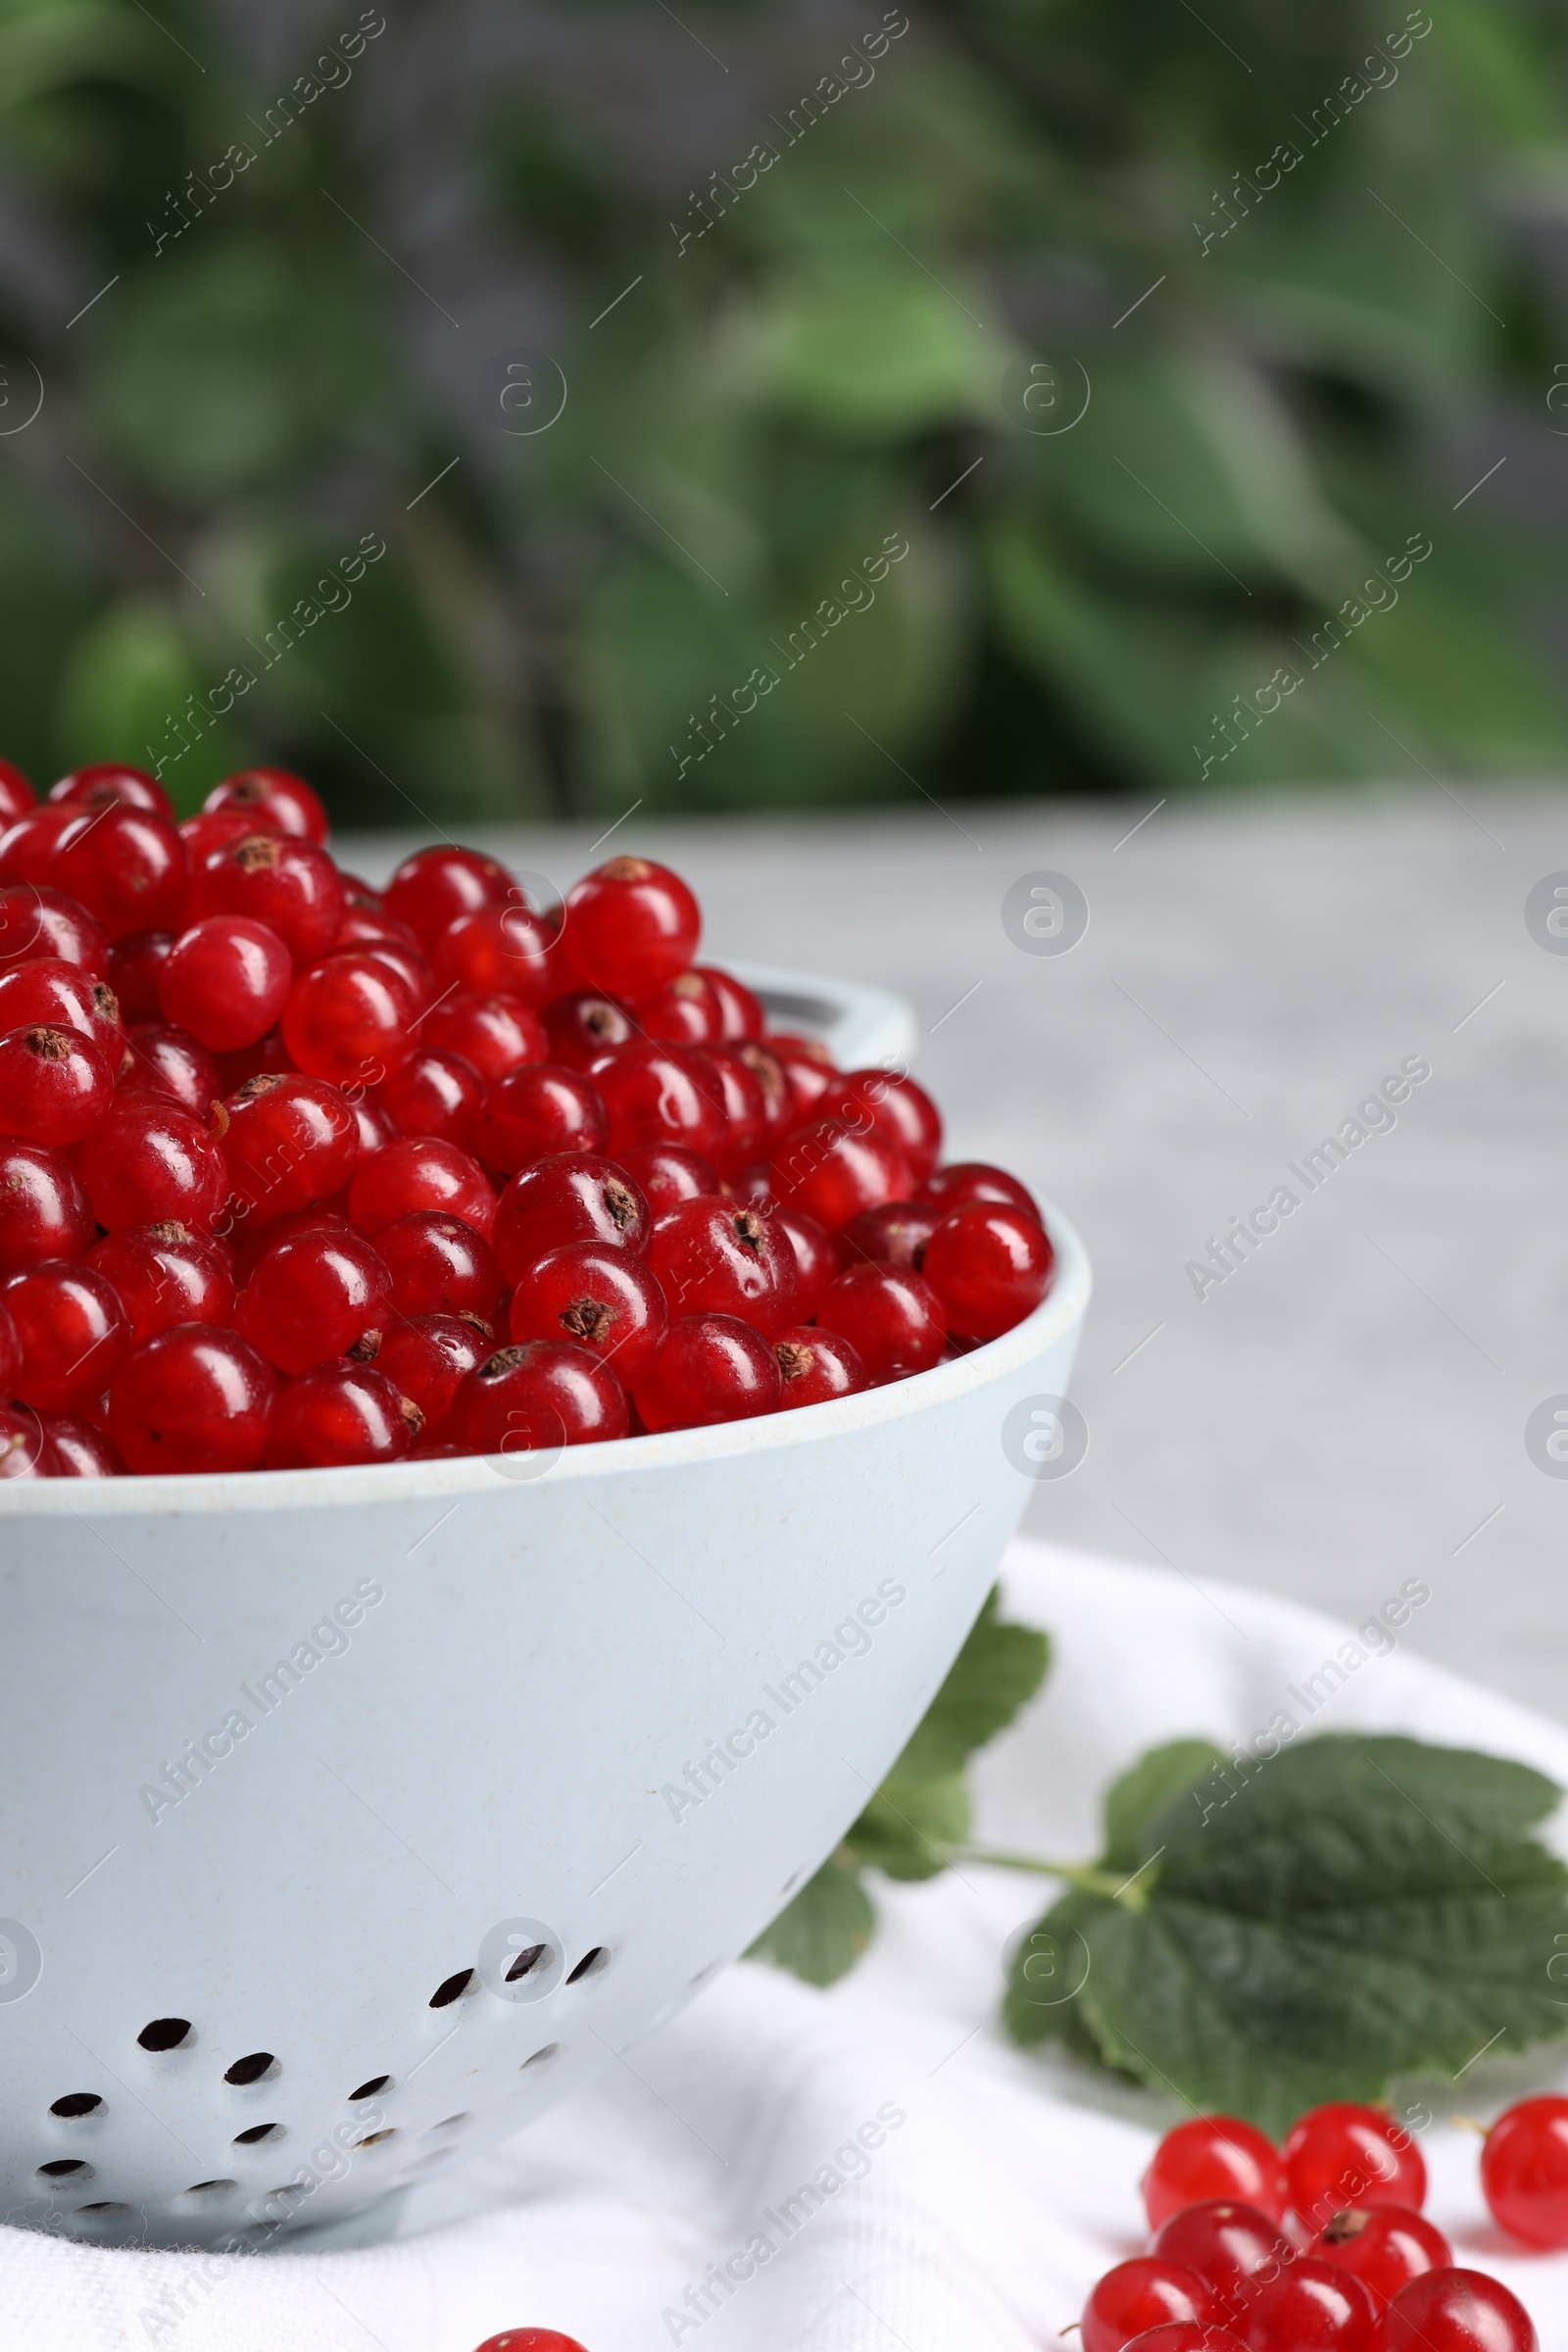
<point>822,1934</point>
<point>1354,1909</point>
<point>909,1826</point>
<point>1147,1790</point>
<point>998,1670</point>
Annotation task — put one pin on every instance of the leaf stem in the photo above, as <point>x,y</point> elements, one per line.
<point>1083,1874</point>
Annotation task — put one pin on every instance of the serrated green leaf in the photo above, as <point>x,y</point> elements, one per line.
<point>998,1670</point>
<point>909,1826</point>
<point>1144,1792</point>
<point>822,1934</point>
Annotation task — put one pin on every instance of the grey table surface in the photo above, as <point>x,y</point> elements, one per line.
<point>1347,1410</point>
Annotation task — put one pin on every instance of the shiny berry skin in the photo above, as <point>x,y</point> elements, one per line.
<point>969,1180</point>
<point>1232,2246</point>
<point>740,1096</point>
<point>72,1333</point>
<point>530,2340</point>
<point>82,1449</point>
<point>367,924</point>
<point>815,1366</point>
<point>406,966</point>
<point>890,1316</point>
<point>576,1197</point>
<point>658,1093</point>
<point>1310,2307</point>
<point>128,866</point>
<point>290,1141</point>
<point>1187,2336</point>
<point>832,1173</point>
<point>990,1266</point>
<point>708,1368</point>
<point>499,950</point>
<point>347,1019</point>
<point>779,1114</point>
<point>536,1112</point>
<point>149,1160</point>
<point>290,885</point>
<point>497,1034</point>
<point>251,1246</point>
<point>225,980</point>
<point>425,1360</point>
<point>536,1397</point>
<point>314,1296</point>
<point>687,1010</point>
<point>808,1065</point>
<point>421,1171</point>
<point>1524,2172</point>
<point>136,966</point>
<point>630,926</point>
<point>36,921</point>
<point>192,1399</point>
<point>17,795</point>
<point>668,1174</point>
<point>902,1111</point>
<point>1213,2156</point>
<point>717,1257</point>
<point>439,1266</point>
<point>337,1414</point>
<point>597,1297</point>
<point>55,1085</point>
<point>815,1263</point>
<point>275,801</point>
<point>741,1015</point>
<point>25,1451</point>
<point>214,830</point>
<point>585,1025</point>
<point>1135,2296</point>
<point>10,1354</point>
<point>435,1094</point>
<point>62,996</point>
<point>44,1210</point>
<point>375,1123</point>
<point>894,1235</point>
<point>163,1060</point>
<point>1456,2311</point>
<point>165,1274</point>
<point>28,844</point>
<point>108,785</point>
<point>1342,2154</point>
<point>432,888</point>
<point>1384,2246</point>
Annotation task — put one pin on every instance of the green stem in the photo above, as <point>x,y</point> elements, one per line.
<point>1083,1874</point>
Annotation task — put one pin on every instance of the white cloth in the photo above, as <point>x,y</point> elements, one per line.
<point>981,2219</point>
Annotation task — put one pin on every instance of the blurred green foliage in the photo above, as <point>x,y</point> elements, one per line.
<point>876,309</point>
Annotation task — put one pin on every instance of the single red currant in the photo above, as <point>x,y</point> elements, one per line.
<point>10,1354</point>
<point>128,866</point>
<point>338,1415</point>
<point>17,795</point>
<point>436,1093</point>
<point>225,980</point>
<point>1456,2311</point>
<point>62,996</point>
<point>406,966</point>
<point>1341,2154</point>
<point>712,1258</point>
<point>1384,2246</point>
<point>969,1180</point>
<point>425,1360</point>
<point>149,1160</point>
<point>815,1263</point>
<point>367,924</point>
<point>687,1010</point>
<point>530,2340</point>
<point>809,1068</point>
<point>582,1027</point>
<point>439,1266</point>
<point>832,1173</point>
<point>708,1368</point>
<point>43,1208</point>
<point>432,888</point>
<point>36,921</point>
<point>599,1297</point>
<point>1135,2296</point>
<point>574,1196</point>
<point>275,801</point>
<point>214,830</point>
<point>1233,2246</point>
<point>72,1332</point>
<point>740,1095</point>
<point>741,1014</point>
<point>497,1034</point>
<point>421,1171</point>
<point>82,1449</point>
<point>1524,2172</point>
<point>1186,2335</point>
<point>290,1141</point>
<point>630,926</point>
<point>816,1367</point>
<point>288,884</point>
<point>28,844</point>
<point>165,1274</point>
<point>1310,2307</point>
<point>903,1111</point>
<point>348,1018</point>
<point>658,1093</point>
<point>990,1266</point>
<point>894,1235</point>
<point>779,1115</point>
<point>537,1111</point>
<point>891,1316</point>
<point>314,1296</point>
<point>165,1061</point>
<point>535,1398</point>
<point>108,785</point>
<point>668,1174</point>
<point>269,1057</point>
<point>192,1399</point>
<point>1211,2156</point>
<point>135,966</point>
<point>374,1121</point>
<point>55,1085</point>
<point>499,950</point>
<point>25,1451</point>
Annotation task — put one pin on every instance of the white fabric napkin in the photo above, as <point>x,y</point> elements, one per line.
<point>875,2165</point>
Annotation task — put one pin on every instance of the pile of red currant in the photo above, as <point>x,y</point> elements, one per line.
<point>1321,2245</point>
<point>295,1173</point>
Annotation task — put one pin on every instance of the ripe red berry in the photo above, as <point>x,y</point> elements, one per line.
<point>290,885</point>
<point>108,785</point>
<point>43,1208</point>
<point>62,996</point>
<point>815,1366</point>
<point>666,1174</point>
<point>715,1257</point>
<point>128,866</point>
<point>337,1414</point>
<point>192,1399</point>
<point>832,1173</point>
<point>585,1025</point>
<point>894,1235</point>
<point>407,966</point>
<point>808,1065</point>
<point>504,950</point>
<point>629,927</point>
<point>348,1019</point>
<point>903,1111</point>
<point>290,1141</point>
<point>17,795</point>
<point>55,1085</point>
<point>275,801</point>
<point>317,1296</point>
<point>1456,2311</point>
<point>165,1274</point>
<point>436,1093</point>
<point>658,1093</point>
<point>148,1160</point>
<point>425,1360</point>
<point>81,1448</point>
<point>739,1094</point>
<point>24,1448</point>
<point>37,921</point>
<point>1524,2172</point>
<point>135,966</point>
<point>1310,2307</point>
<point>1135,2296</point>
<point>10,1353</point>
<point>576,1197</point>
<point>497,1034</point>
<point>686,1011</point>
<point>214,830</point>
<point>1213,2156</point>
<point>708,1368</point>
<point>530,2340</point>
<point>225,980</point>
<point>1232,2246</point>
<point>1186,2335</point>
<point>742,1015</point>
<point>166,1061</point>
<point>779,1115</point>
<point>72,1330</point>
<point>1342,2154</point>
<point>599,1297</point>
<point>536,1397</point>
<point>439,1266</point>
<point>990,1266</point>
<point>890,1316</point>
<point>375,1123</point>
<point>1384,2246</point>
<point>432,888</point>
<point>969,1180</point>
<point>28,844</point>
<point>421,1171</point>
<point>367,924</point>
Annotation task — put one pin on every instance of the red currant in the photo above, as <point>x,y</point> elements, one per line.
<point>894,1235</point>
<point>630,926</point>
<point>574,1196</point>
<point>740,1096</point>
<point>254,1244</point>
<point>990,1266</point>
<point>1456,2311</point>
<point>17,795</point>
<point>815,1263</point>
<point>535,1398</point>
<point>348,1018</point>
<point>439,1266</point>
<point>108,785</point>
<point>1147,2292</point>
<point>128,866</point>
<point>969,1180</point>
<point>1186,2335</point>
<point>1310,2307</point>
<point>28,844</point>
<point>374,1121</point>
<point>269,1057</point>
<point>165,1274</point>
<point>808,1065</point>
<point>1233,2246</point>
<point>367,924</point>
<point>224,980</point>
<point>72,1333</point>
<point>192,1399</point>
<point>1524,2172</point>
<point>498,950</point>
<point>314,1296</point>
<point>891,1316</point>
<point>708,1368</point>
<point>135,966</point>
<point>290,885</point>
<point>741,1014</point>
<point>421,1171</point>
<point>658,1093</point>
<point>148,1160</point>
<point>82,1449</point>
<point>432,888</point>
<point>1341,2154</point>
<point>530,2340</point>
<point>686,1010</point>
<point>62,996</point>
<point>338,1415</point>
<point>668,1174</point>
<point>25,1451</point>
<point>903,1111</point>
<point>599,1297</point>
<point>1384,2246</point>
<point>497,1034</point>
<point>406,966</point>
<point>10,1353</point>
<point>290,1141</point>
<point>583,1026</point>
<point>435,1094</point>
<point>164,1061</point>
<point>425,1360</point>
<point>536,1112</point>
<point>43,1208</point>
<point>36,921</point>
<point>714,1258</point>
<point>1213,2156</point>
<point>275,801</point>
<point>55,1085</point>
<point>832,1173</point>
<point>779,1116</point>
<point>214,830</point>
<point>816,1367</point>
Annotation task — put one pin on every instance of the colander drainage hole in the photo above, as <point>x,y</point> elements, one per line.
<point>164,2034</point>
<point>589,1964</point>
<point>539,2056</point>
<point>62,2169</point>
<point>249,2069</point>
<point>369,2091</point>
<point>525,1962</point>
<point>256,2133</point>
<point>373,2140</point>
<point>78,2102</point>
<point>210,2189</point>
<point>104,2205</point>
<point>450,2123</point>
<point>453,1989</point>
